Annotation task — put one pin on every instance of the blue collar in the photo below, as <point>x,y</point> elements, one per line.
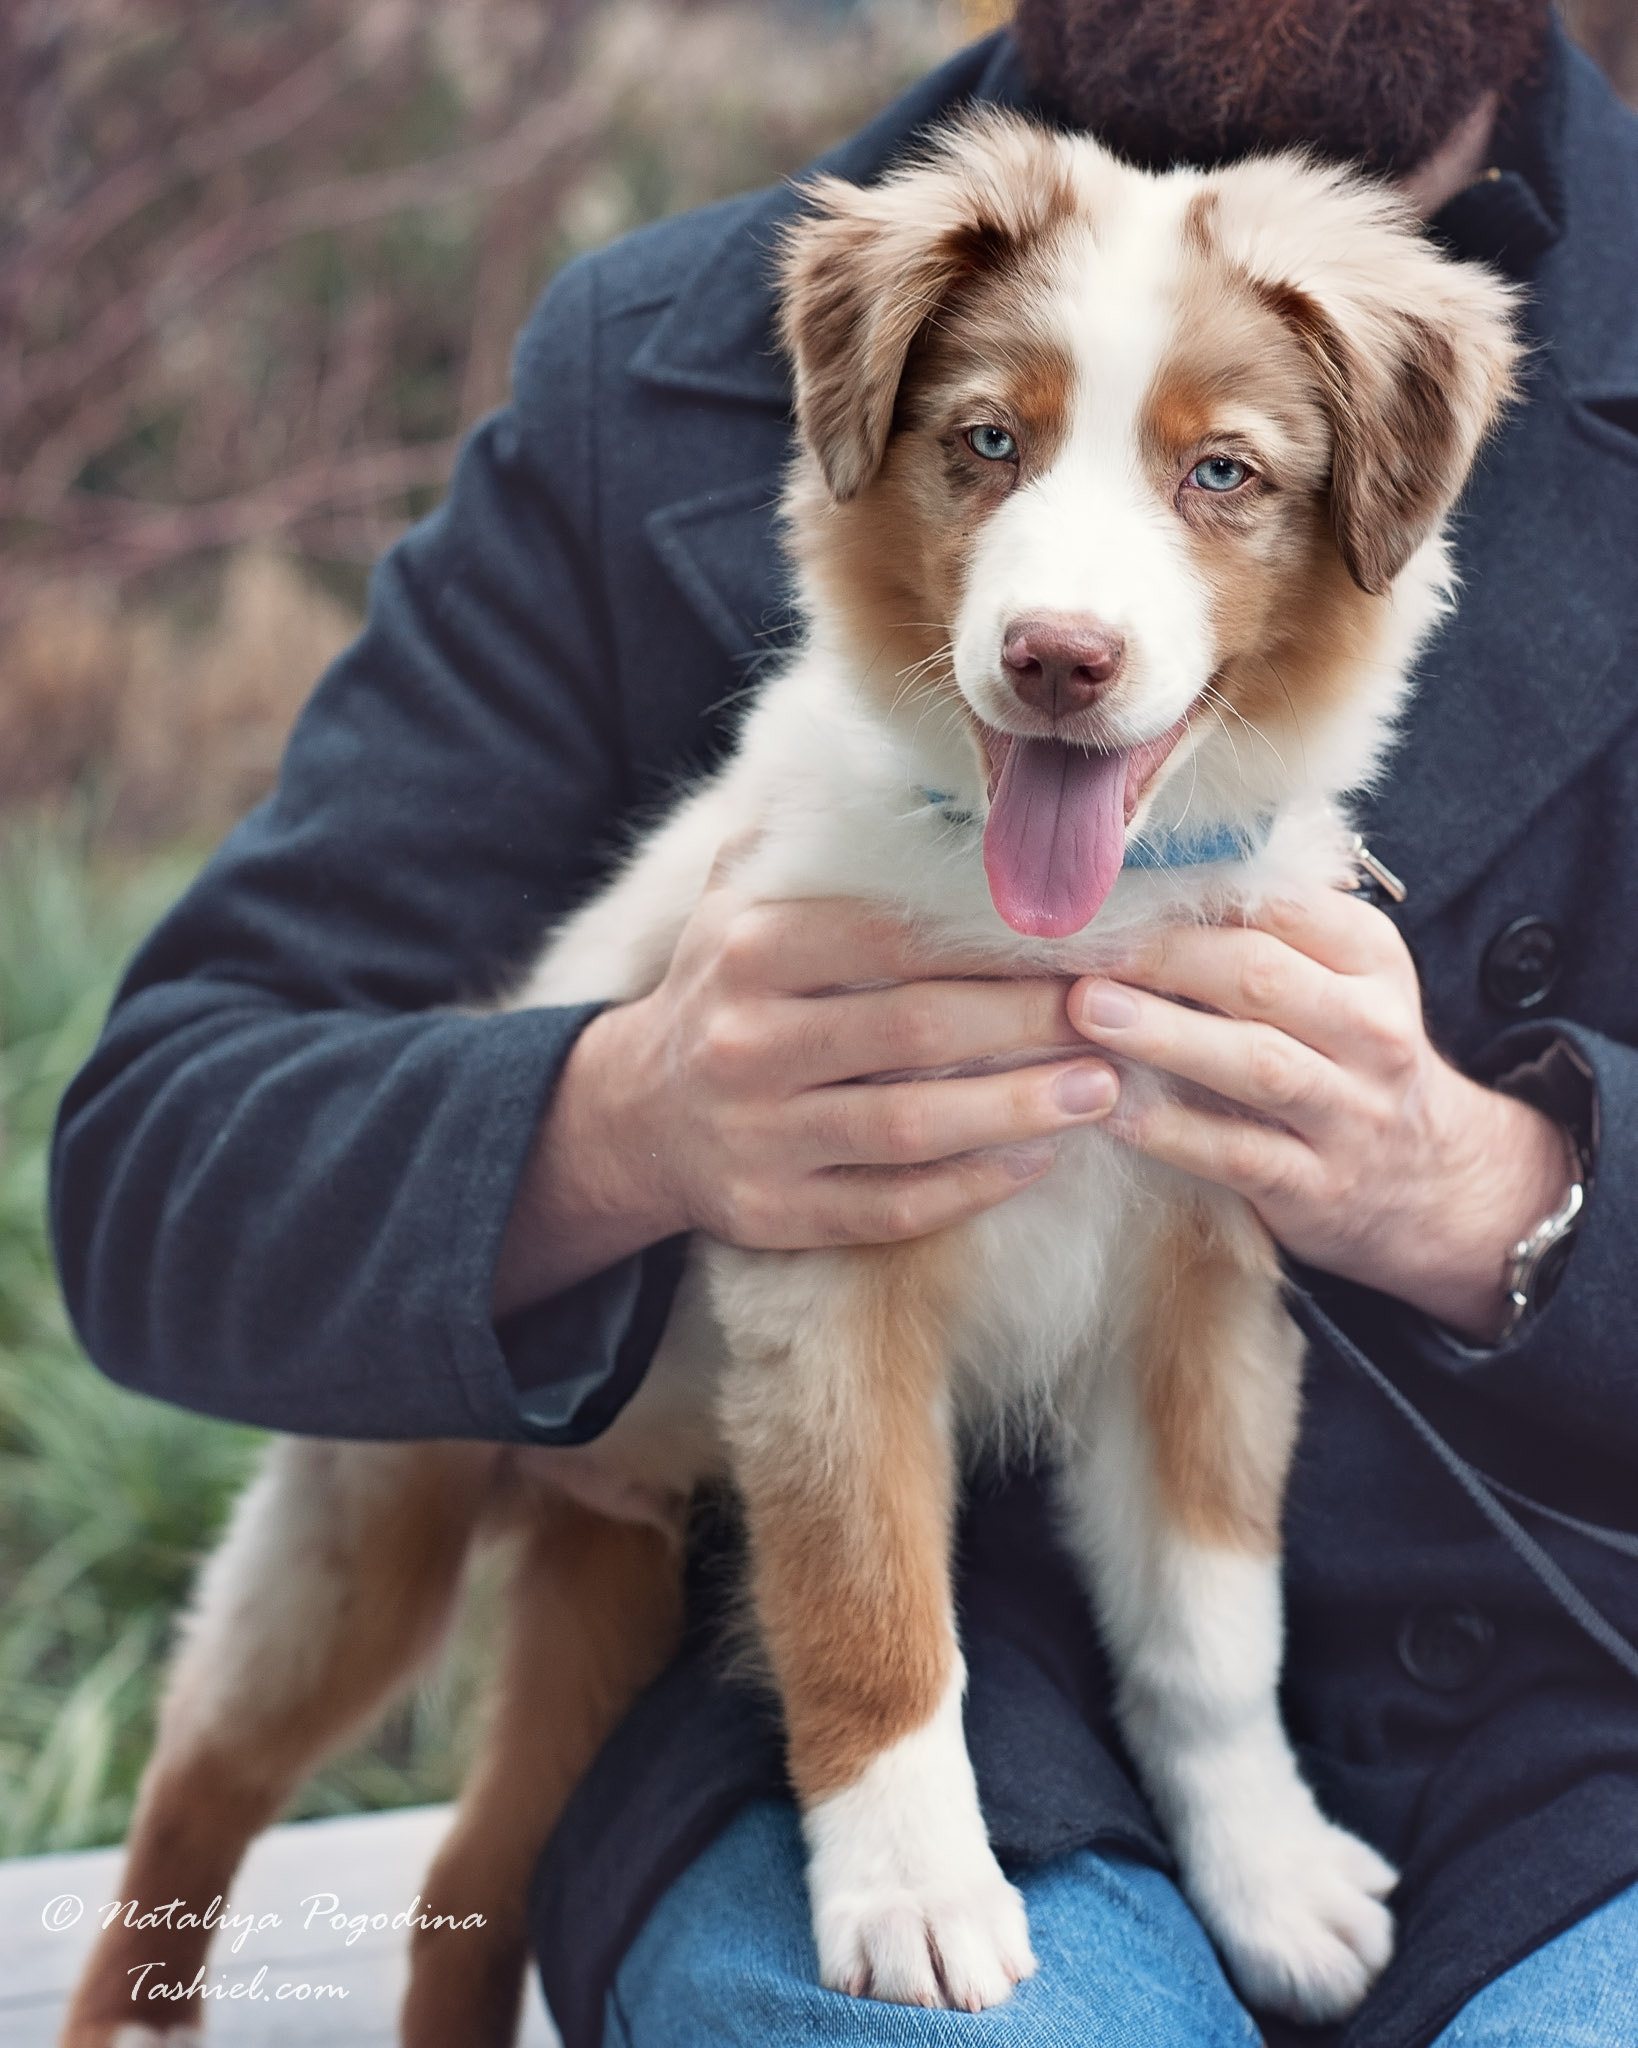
<point>1199,849</point>
<point>1163,850</point>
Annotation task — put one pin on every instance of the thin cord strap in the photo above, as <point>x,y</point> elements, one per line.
<point>1619,1540</point>
<point>1482,1494</point>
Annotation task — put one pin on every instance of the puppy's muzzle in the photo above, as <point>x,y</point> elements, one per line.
<point>1061,663</point>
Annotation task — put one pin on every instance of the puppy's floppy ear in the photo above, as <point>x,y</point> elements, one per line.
<point>1415,353</point>
<point>864,270</point>
<point>1411,397</point>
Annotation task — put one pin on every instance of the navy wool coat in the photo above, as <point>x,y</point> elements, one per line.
<point>282,1179</point>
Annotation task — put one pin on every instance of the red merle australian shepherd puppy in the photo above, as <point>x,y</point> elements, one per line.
<point>1117,522</point>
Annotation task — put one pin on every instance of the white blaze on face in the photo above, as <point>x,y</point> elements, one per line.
<point>1095,534</point>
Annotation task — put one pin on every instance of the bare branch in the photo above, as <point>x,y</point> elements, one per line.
<point>287,106</point>
<point>555,129</point>
<point>128,534</point>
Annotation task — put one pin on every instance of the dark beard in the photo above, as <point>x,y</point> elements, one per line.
<point>1381,82</point>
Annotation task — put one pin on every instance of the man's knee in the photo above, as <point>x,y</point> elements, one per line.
<point>727,1957</point>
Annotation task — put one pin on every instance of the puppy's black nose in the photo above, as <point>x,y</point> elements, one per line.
<point>1060,662</point>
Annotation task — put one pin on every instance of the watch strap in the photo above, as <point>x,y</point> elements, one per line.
<point>1559,1082</point>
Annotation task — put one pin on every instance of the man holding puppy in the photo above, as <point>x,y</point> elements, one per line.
<point>290,1190</point>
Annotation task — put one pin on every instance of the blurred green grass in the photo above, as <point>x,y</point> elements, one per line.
<point>109,1500</point>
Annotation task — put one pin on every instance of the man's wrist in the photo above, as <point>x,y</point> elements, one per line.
<point>1520,1175</point>
<point>591,1193</point>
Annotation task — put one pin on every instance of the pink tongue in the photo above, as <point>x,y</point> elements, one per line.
<point>1056,836</point>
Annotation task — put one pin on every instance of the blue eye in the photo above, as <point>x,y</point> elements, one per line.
<point>995,444</point>
<point>1219,473</point>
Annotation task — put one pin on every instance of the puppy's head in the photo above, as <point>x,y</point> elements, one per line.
<point>1142,475</point>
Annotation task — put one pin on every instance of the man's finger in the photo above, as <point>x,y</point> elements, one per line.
<point>865,1206</point>
<point>1262,1164</point>
<point>914,1123</point>
<point>818,944</point>
<point>1256,1065</point>
<point>729,855</point>
<point>924,1024</point>
<point>1253,975</point>
<point>1283,962</point>
<point>1336,928</point>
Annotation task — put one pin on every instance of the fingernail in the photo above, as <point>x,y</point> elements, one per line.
<point>1108,1007</point>
<point>1029,1162</point>
<point>1081,1091</point>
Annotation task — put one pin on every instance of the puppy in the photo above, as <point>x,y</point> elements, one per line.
<point>1117,524</point>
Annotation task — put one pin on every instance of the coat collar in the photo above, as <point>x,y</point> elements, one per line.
<point>1565,183</point>
<point>717,336</point>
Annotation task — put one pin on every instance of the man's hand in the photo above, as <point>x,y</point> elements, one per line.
<point>1374,1158</point>
<point>736,1098</point>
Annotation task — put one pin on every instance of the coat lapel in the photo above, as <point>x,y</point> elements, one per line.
<point>722,551</point>
<point>717,336</point>
<point>716,340</point>
<point>1538,668</point>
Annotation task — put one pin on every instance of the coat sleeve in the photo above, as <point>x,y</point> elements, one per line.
<point>280,1183</point>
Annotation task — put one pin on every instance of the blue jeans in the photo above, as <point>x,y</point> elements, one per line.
<point>726,1958</point>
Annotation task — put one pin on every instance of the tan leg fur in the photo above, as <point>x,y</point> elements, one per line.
<point>1219,1362</point>
<point>842,1453</point>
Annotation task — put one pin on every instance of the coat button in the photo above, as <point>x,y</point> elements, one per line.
<point>1521,964</point>
<point>1446,1648</point>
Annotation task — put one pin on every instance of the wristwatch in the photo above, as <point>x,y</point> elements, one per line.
<point>1560,1084</point>
<point>1536,1261</point>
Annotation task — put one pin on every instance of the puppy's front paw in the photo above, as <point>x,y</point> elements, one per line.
<point>1298,1915</point>
<point>909,1903</point>
<point>963,1943</point>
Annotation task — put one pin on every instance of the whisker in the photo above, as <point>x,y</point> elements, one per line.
<point>1194,785</point>
<point>1255,731</point>
<point>1214,701</point>
<point>918,672</point>
<point>1291,707</point>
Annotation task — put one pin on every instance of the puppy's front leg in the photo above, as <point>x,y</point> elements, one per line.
<point>837,1413</point>
<point>1175,1507</point>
